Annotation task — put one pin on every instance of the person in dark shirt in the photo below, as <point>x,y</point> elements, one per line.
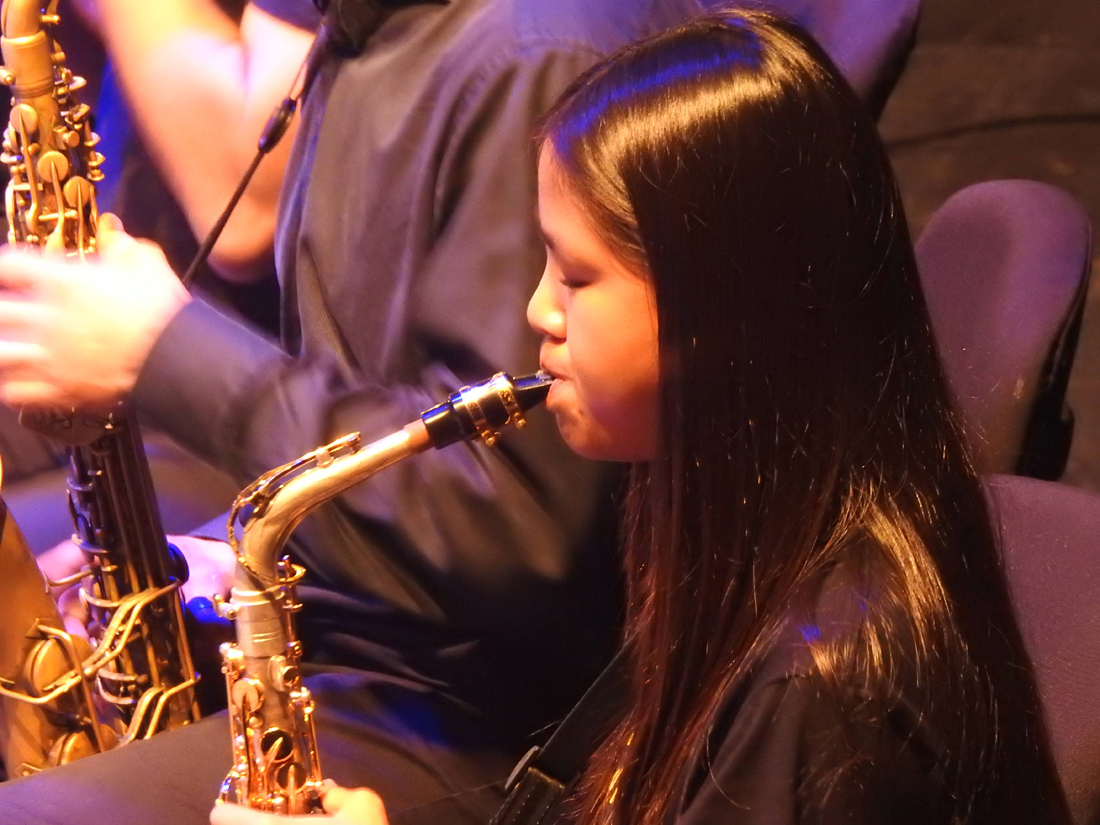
<point>819,627</point>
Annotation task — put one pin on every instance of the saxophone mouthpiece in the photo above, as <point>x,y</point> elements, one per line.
<point>481,409</point>
<point>531,390</point>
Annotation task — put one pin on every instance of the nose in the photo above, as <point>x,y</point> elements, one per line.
<point>544,312</point>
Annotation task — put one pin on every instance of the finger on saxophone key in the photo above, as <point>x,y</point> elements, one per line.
<point>360,806</point>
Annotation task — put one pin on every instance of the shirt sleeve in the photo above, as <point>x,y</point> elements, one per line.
<point>300,13</point>
<point>792,757</point>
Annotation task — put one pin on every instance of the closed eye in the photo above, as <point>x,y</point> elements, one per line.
<point>573,275</point>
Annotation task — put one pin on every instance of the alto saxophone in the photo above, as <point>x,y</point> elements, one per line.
<point>275,761</point>
<point>59,698</point>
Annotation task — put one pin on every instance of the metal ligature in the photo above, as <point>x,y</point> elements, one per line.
<point>275,762</point>
<point>59,697</point>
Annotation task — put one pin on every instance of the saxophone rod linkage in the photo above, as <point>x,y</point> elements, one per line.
<point>115,639</point>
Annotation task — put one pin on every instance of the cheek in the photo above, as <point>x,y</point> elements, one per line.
<point>615,369</point>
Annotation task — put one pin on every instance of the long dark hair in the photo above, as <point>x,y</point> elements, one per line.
<point>805,421</point>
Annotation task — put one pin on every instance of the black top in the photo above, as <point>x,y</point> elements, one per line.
<point>787,752</point>
<point>788,748</point>
<point>785,747</point>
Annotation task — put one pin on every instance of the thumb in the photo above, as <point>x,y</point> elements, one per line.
<point>109,222</point>
<point>111,238</point>
<point>360,806</point>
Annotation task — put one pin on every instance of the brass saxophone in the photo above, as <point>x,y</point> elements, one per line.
<point>275,762</point>
<point>60,699</point>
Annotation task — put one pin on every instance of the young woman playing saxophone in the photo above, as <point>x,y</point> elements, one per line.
<point>818,624</point>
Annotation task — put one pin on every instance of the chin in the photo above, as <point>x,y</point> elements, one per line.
<point>578,438</point>
<point>599,447</point>
<point>585,450</point>
<point>593,439</point>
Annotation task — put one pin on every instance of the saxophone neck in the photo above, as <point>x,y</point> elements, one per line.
<point>268,705</point>
<point>280,499</point>
<point>24,18</point>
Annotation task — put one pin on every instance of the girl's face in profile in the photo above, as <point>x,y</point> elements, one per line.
<point>598,319</point>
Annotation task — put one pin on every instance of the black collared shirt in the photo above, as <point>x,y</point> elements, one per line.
<point>407,248</point>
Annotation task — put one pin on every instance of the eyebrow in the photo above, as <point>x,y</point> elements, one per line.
<point>563,256</point>
<point>547,240</point>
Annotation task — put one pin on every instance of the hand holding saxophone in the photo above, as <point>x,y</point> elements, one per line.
<point>210,566</point>
<point>359,806</point>
<point>68,339</point>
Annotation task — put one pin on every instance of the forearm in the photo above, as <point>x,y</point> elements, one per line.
<point>236,399</point>
<point>201,88</point>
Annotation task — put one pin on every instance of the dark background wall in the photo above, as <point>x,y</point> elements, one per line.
<point>1008,89</point>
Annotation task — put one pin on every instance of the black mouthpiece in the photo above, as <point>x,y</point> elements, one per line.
<point>531,390</point>
<point>483,408</point>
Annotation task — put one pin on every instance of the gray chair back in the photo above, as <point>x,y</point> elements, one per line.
<point>1004,266</point>
<point>869,40</point>
<point>1050,536</point>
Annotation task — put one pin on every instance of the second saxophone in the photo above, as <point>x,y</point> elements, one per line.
<point>60,699</point>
